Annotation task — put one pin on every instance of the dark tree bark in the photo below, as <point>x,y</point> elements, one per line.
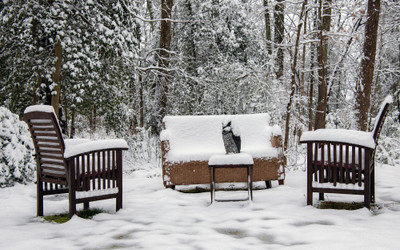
<point>55,99</point>
<point>279,35</point>
<point>267,27</point>
<point>164,56</point>
<point>141,105</point>
<point>363,88</point>
<point>325,18</point>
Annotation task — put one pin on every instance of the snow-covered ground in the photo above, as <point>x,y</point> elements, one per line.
<point>157,218</point>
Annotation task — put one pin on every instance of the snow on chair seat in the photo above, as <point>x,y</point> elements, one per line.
<point>188,142</point>
<point>342,161</point>
<point>87,170</point>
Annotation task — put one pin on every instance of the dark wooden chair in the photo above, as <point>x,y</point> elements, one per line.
<point>342,161</point>
<point>87,170</point>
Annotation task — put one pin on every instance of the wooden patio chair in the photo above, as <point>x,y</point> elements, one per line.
<point>342,161</point>
<point>87,170</point>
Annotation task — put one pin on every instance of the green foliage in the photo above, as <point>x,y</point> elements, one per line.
<point>340,205</point>
<point>85,214</point>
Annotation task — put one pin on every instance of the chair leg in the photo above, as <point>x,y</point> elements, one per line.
<point>321,196</point>
<point>367,187</point>
<point>119,202</point>
<point>72,208</point>
<point>72,201</point>
<point>309,197</point>
<point>169,186</point>
<point>309,175</point>
<point>86,205</point>
<point>268,184</point>
<point>39,198</point>
<point>373,186</point>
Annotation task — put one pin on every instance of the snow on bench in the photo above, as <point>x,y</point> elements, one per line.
<point>188,142</point>
<point>197,138</point>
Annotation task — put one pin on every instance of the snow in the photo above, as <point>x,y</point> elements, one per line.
<point>39,108</point>
<point>338,185</point>
<point>157,218</point>
<point>73,148</point>
<point>231,159</point>
<point>360,138</point>
<point>94,193</point>
<point>197,138</point>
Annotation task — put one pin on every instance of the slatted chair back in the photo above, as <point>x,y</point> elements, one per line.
<point>49,147</point>
<point>380,119</point>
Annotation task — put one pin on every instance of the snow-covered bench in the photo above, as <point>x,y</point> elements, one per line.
<point>188,142</point>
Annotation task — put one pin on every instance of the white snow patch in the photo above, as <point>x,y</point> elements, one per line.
<point>157,218</point>
<point>39,108</point>
<point>231,159</point>
<point>97,192</point>
<point>360,138</point>
<point>72,148</point>
<point>338,185</point>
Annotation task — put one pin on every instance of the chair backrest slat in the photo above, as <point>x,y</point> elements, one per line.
<point>48,143</point>
<point>380,119</point>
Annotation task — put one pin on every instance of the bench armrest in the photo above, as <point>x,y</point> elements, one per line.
<point>359,138</point>
<point>75,148</point>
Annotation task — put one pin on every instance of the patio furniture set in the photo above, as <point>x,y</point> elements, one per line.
<point>193,152</point>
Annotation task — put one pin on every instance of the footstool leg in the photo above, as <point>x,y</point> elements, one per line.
<point>211,183</point>
<point>251,182</point>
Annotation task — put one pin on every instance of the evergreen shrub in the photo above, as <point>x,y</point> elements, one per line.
<point>17,164</point>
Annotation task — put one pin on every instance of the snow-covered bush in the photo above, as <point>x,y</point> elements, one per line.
<point>17,163</point>
<point>388,151</point>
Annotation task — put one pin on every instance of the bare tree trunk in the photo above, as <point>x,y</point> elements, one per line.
<point>313,53</point>
<point>164,55</point>
<point>134,123</point>
<point>325,12</point>
<point>55,99</point>
<point>302,91</point>
<point>279,35</point>
<point>267,27</point>
<point>141,107</point>
<point>151,12</point>
<point>34,31</point>
<point>293,78</point>
<point>363,88</point>
<point>72,131</point>
<point>311,98</point>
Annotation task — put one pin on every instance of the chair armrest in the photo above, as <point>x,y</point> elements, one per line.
<point>73,142</point>
<point>72,150</point>
<point>359,138</point>
<point>164,135</point>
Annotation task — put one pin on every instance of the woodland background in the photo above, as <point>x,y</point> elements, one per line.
<point>120,66</point>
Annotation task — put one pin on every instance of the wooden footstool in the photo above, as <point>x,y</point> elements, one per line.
<point>233,161</point>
